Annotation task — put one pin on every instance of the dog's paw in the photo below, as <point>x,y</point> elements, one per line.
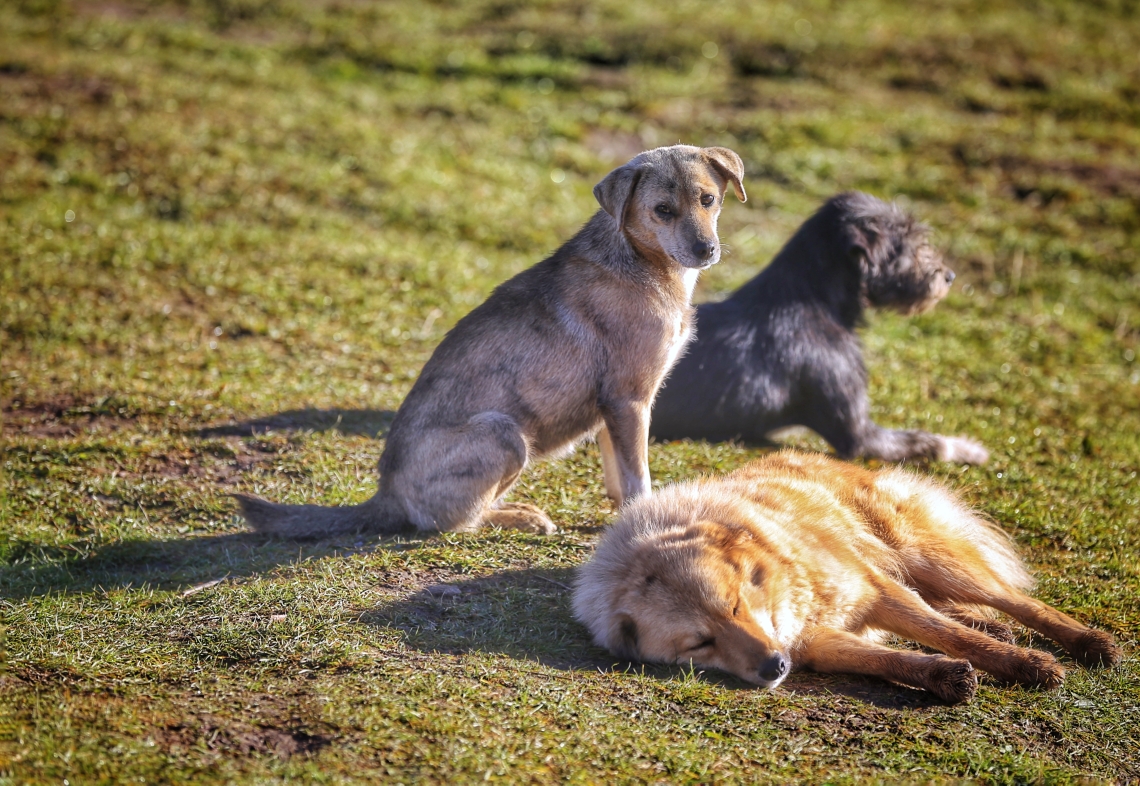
<point>1096,648</point>
<point>953,680</point>
<point>1037,669</point>
<point>522,517</point>
<point>996,630</point>
<point>962,450</point>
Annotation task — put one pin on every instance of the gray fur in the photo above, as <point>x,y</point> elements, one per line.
<point>577,343</point>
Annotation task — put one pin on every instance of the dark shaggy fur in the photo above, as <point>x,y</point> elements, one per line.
<point>782,351</point>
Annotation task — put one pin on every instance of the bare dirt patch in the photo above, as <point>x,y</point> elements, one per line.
<point>221,736</point>
<point>259,725</point>
<point>65,416</point>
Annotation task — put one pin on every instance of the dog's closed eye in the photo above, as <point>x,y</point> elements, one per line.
<point>704,644</point>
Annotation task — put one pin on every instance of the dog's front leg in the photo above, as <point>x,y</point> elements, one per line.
<point>839,652</point>
<point>901,611</point>
<point>609,466</point>
<point>624,445</point>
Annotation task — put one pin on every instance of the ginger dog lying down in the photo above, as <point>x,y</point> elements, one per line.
<point>801,561</point>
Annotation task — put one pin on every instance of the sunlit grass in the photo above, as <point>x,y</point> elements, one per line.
<point>263,215</point>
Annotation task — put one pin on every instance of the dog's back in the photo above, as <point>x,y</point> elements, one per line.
<point>742,375</point>
<point>932,541</point>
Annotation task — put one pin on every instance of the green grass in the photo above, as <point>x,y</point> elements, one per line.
<point>222,215</point>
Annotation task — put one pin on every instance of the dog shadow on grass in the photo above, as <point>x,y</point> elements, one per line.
<point>526,615</point>
<point>185,565</point>
<point>350,422</point>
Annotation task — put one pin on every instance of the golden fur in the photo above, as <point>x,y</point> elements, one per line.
<point>801,561</point>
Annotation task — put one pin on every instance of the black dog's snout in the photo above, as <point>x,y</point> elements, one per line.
<point>950,276</point>
<point>774,667</point>
<point>703,249</point>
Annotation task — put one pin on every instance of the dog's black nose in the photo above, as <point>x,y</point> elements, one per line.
<point>775,667</point>
<point>703,249</point>
<point>950,276</point>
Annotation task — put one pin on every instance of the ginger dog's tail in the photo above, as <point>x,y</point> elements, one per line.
<point>319,521</point>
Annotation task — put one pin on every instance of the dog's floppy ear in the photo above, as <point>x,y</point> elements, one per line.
<point>862,245</point>
<point>615,192</point>
<point>623,636</point>
<point>730,167</point>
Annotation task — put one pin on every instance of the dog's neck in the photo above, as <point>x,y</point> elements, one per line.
<point>813,268</point>
<point>601,241</point>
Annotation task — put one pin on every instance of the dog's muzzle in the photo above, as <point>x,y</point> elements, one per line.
<point>702,261</point>
<point>774,668</point>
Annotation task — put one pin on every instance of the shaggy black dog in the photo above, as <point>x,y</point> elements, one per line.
<point>782,350</point>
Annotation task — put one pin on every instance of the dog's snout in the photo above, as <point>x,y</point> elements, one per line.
<point>703,249</point>
<point>775,667</point>
<point>950,276</point>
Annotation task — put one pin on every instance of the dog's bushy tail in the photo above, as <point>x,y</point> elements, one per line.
<point>319,521</point>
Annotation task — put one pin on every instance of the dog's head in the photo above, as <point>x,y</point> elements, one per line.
<point>666,201</point>
<point>705,593</point>
<point>899,268</point>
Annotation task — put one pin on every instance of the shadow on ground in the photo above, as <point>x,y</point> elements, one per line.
<point>180,563</point>
<point>351,422</point>
<point>526,615</point>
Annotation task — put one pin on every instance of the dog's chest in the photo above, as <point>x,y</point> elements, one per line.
<point>680,329</point>
<point>679,333</point>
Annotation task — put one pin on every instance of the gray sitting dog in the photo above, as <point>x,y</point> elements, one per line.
<point>782,350</point>
<point>577,343</point>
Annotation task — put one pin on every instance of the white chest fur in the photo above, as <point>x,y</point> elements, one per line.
<point>681,333</point>
<point>677,342</point>
<point>689,277</point>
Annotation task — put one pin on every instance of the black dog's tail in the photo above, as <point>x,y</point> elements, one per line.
<point>318,521</point>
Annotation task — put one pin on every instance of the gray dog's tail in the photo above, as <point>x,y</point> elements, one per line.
<point>318,521</point>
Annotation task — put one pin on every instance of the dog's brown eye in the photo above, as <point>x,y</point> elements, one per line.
<point>663,210</point>
<point>757,576</point>
<point>707,200</point>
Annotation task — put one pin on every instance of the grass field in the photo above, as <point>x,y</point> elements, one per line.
<point>232,231</point>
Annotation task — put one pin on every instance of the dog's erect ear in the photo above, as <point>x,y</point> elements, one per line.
<point>623,637</point>
<point>615,192</point>
<point>730,166</point>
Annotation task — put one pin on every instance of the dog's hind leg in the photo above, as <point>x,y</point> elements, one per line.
<point>454,476</point>
<point>900,610</point>
<point>971,618</point>
<point>835,651</point>
<point>838,410</point>
<point>892,445</point>
<point>1089,647</point>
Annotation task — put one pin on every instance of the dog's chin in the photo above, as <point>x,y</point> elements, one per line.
<point>768,684</point>
<point>916,308</point>
<point>699,264</point>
